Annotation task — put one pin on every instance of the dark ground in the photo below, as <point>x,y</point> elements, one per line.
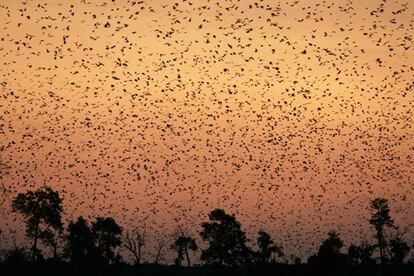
<point>65,269</point>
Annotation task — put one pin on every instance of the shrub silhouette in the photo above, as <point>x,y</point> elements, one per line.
<point>361,254</point>
<point>398,250</point>
<point>329,256</point>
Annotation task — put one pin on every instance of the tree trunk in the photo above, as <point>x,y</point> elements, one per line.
<point>157,257</point>
<point>381,247</point>
<point>138,263</point>
<point>136,259</point>
<point>36,236</point>
<point>187,256</point>
<point>139,255</point>
<point>55,255</point>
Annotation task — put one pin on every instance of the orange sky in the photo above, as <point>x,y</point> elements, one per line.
<point>291,114</point>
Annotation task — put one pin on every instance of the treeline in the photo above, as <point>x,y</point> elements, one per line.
<point>93,248</point>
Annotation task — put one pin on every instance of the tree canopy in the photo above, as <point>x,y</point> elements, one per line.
<point>107,237</point>
<point>42,210</point>
<point>92,247</point>
<point>79,241</point>
<point>380,218</point>
<point>267,248</point>
<point>227,241</point>
<point>183,243</point>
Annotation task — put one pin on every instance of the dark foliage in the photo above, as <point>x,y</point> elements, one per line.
<point>227,242</point>
<point>183,243</point>
<point>40,208</point>
<point>93,248</point>
<point>361,254</point>
<point>381,219</point>
<point>268,250</point>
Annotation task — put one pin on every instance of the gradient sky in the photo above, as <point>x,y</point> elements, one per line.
<point>290,114</point>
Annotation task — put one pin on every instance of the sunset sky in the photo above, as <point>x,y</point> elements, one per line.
<point>292,115</point>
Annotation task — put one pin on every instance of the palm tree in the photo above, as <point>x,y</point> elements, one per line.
<point>182,244</point>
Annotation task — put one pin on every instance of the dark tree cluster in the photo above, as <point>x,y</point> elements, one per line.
<point>95,247</point>
<point>95,244</point>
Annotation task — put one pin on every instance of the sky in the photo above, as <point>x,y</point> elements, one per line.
<point>292,115</point>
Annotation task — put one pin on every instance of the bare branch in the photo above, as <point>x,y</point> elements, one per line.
<point>135,243</point>
<point>159,249</point>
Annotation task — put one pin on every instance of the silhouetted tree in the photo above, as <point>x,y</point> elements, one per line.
<point>182,244</point>
<point>332,245</point>
<point>106,234</point>
<point>398,250</point>
<point>380,219</point>
<point>134,244</point>
<point>16,256</point>
<point>329,254</point>
<point>227,242</point>
<point>41,208</point>
<point>52,239</point>
<point>267,248</point>
<point>361,254</point>
<point>79,241</point>
<point>159,250</point>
